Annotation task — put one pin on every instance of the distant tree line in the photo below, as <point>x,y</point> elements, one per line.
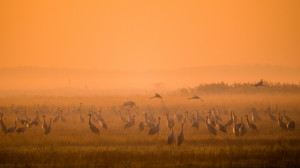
<point>241,88</point>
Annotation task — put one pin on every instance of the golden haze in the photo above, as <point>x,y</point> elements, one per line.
<point>142,36</point>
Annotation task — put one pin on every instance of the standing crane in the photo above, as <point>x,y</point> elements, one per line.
<point>62,118</point>
<point>80,116</point>
<point>250,124</point>
<point>230,121</point>
<point>255,116</point>
<point>124,119</point>
<point>179,117</point>
<point>94,129</point>
<point>219,126</point>
<point>12,129</point>
<point>148,122</point>
<point>44,125</point>
<point>170,121</point>
<point>291,124</point>
<point>21,129</point>
<point>57,117</point>
<point>235,128</point>
<point>211,120</point>
<point>141,126</point>
<point>180,137</point>
<point>271,116</point>
<point>155,130</point>
<point>100,119</point>
<point>171,137</point>
<point>130,123</point>
<point>3,127</point>
<point>281,123</point>
<point>210,128</point>
<point>196,123</point>
<point>185,117</point>
<point>48,128</point>
<point>242,129</point>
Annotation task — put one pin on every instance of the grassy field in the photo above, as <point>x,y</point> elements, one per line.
<point>72,143</point>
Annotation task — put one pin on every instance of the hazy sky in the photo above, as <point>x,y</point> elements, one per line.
<point>141,35</point>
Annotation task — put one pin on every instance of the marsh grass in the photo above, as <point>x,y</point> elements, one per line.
<point>72,144</point>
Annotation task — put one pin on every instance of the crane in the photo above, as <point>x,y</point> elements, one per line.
<point>242,129</point>
<point>156,96</point>
<point>250,124</point>
<point>180,137</point>
<point>171,137</point>
<point>155,130</point>
<point>210,128</point>
<point>219,126</point>
<point>93,128</point>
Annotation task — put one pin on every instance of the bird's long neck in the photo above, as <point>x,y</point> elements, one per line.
<point>44,120</point>
<point>50,122</point>
<point>90,118</point>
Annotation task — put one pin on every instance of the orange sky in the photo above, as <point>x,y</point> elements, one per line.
<point>143,35</point>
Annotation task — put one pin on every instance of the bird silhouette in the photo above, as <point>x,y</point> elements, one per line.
<point>156,96</point>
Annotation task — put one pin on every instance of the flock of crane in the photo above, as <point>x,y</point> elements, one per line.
<point>211,121</point>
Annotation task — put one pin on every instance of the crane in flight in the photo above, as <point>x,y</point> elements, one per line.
<point>260,83</point>
<point>156,96</point>
<point>129,103</point>
<point>196,97</point>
